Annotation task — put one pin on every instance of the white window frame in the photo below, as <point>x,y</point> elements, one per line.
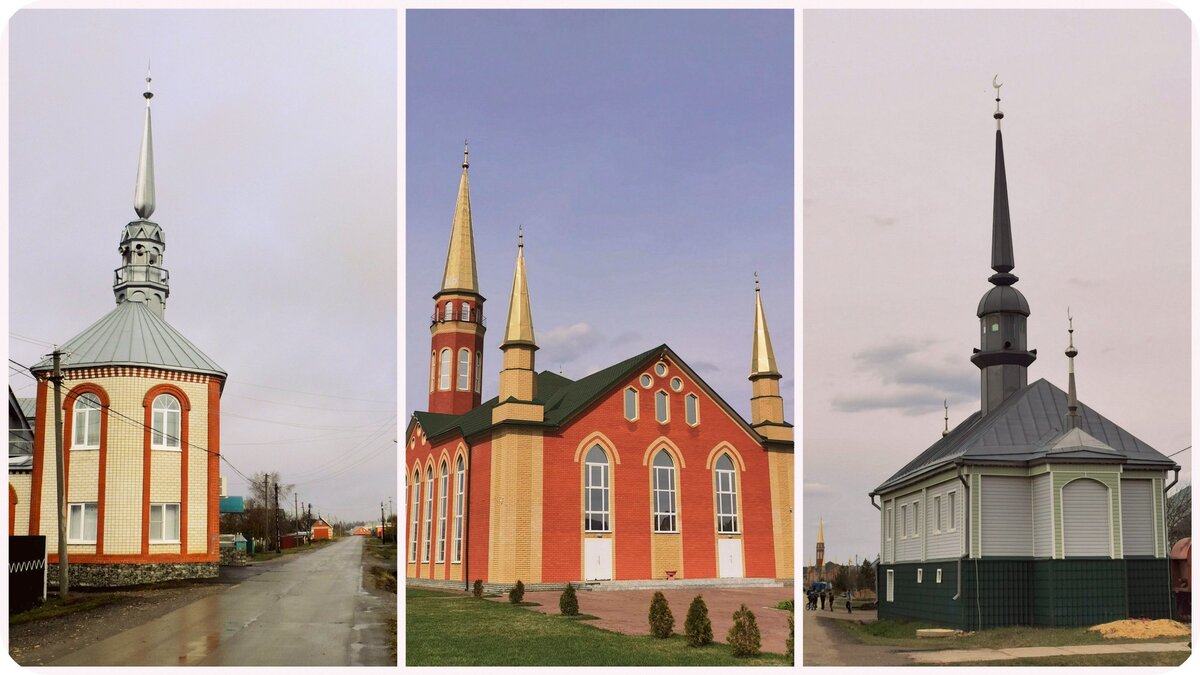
<point>891,585</point>
<point>449,314</point>
<point>416,517</point>
<point>631,393</point>
<point>428,514</point>
<point>460,480</point>
<point>951,507</point>
<point>160,422</point>
<point>444,370</point>
<point>939,575</point>
<point>937,514</point>
<point>162,536</point>
<point>726,484</point>
<point>464,370</point>
<point>84,414</point>
<point>691,410</point>
<point>916,518</point>
<point>664,484</point>
<point>665,398</point>
<point>920,574</point>
<point>465,311</point>
<point>79,516</point>
<point>891,524</point>
<point>597,479</point>
<point>904,521</point>
<point>443,502</point>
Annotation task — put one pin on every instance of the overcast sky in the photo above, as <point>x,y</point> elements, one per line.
<point>649,156</point>
<point>898,168</point>
<point>275,165</point>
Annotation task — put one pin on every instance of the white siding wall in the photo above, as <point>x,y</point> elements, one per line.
<point>1006,515</point>
<point>1043,517</point>
<point>908,546</point>
<point>1087,530</point>
<point>1137,517</point>
<point>943,543</point>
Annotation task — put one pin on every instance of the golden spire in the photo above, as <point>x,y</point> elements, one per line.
<point>821,531</point>
<point>762,357</point>
<point>460,272</point>
<point>519,328</point>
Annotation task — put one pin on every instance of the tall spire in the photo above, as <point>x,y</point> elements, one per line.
<point>766,403</point>
<point>460,274</point>
<point>1002,248</point>
<point>519,328</point>
<point>1073,419</point>
<point>762,356</point>
<point>143,192</point>
<point>821,531</point>
<point>946,418</point>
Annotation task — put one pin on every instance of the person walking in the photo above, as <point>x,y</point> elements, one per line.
<point>848,610</point>
<point>829,597</point>
<point>822,601</point>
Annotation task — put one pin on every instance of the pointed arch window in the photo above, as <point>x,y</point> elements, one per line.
<point>595,491</point>
<point>87,422</point>
<point>444,371</point>
<point>664,493</point>
<point>691,409</point>
<point>443,500</point>
<point>726,494</point>
<point>414,533</point>
<point>662,411</point>
<point>478,372</point>
<point>459,486</point>
<point>428,514</point>
<point>164,423</point>
<point>631,404</point>
<point>464,370</point>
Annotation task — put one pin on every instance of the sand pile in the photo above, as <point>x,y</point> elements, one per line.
<point>1142,628</point>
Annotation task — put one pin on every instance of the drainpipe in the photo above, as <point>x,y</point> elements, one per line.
<point>1172,482</point>
<point>879,509</point>
<point>966,531</point>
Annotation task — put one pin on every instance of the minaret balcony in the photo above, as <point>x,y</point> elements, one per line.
<point>475,318</point>
<point>140,274</point>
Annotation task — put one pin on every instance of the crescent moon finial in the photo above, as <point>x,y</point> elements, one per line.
<point>996,84</point>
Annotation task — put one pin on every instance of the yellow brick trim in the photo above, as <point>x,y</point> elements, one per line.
<point>597,438</point>
<point>780,466</point>
<point>725,446</point>
<point>518,412</point>
<point>660,443</point>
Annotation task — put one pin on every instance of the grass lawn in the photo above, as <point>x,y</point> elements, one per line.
<point>904,634</point>
<point>54,606</point>
<point>442,630</point>
<point>1144,659</point>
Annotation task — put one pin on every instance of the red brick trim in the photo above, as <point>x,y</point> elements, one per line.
<point>185,409</point>
<point>68,414</point>
<point>39,436</point>
<point>214,466</point>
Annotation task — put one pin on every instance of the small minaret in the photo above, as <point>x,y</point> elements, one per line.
<point>1073,419</point>
<point>141,276</point>
<point>945,418</point>
<point>518,379</point>
<point>766,404</point>
<point>820,549</point>
<point>1002,358</point>
<point>457,326</point>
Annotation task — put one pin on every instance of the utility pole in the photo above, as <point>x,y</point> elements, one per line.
<point>382,523</point>
<point>277,516</point>
<point>56,378</point>
<point>296,509</point>
<point>266,516</point>
<point>310,515</point>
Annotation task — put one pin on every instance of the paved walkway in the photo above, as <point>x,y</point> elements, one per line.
<point>965,655</point>
<point>628,611</point>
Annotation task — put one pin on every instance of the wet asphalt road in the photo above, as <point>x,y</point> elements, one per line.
<point>308,611</point>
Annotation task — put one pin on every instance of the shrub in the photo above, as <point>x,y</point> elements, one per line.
<point>743,635</point>
<point>477,589</point>
<point>697,626</point>
<point>791,641</point>
<point>661,619</point>
<point>517,593</point>
<point>568,604</point>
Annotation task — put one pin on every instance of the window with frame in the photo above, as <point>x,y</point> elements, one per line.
<point>164,422</point>
<point>661,407</point>
<point>950,506</point>
<point>464,370</point>
<point>466,312</point>
<point>937,513</point>
<point>920,574</point>
<point>87,422</point>
<point>891,585</point>
<point>449,311</point>
<point>432,371</point>
<point>726,480</point>
<point>164,523</point>
<point>460,480</point>
<point>916,519</point>
<point>904,521</point>
<point>443,501</point>
<point>478,372</point>
<point>938,575</point>
<point>691,409</point>
<point>664,493</point>
<point>595,490</point>
<point>890,523</point>
<point>631,404</point>
<point>428,514</point>
<point>81,523</point>
<point>444,372</point>
<point>416,516</point>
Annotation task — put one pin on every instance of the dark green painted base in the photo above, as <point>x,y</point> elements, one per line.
<point>1023,591</point>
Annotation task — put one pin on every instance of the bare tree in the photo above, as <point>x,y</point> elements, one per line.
<point>1179,513</point>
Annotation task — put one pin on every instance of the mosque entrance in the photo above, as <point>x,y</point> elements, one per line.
<point>729,554</point>
<point>597,559</point>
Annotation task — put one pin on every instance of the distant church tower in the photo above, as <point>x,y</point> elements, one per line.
<point>821,549</point>
<point>457,327</point>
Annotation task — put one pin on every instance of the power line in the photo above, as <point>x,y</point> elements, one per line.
<point>307,393</point>
<point>300,405</point>
<point>1179,451</point>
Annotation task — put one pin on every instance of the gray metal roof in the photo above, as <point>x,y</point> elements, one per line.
<point>1028,428</point>
<point>133,335</point>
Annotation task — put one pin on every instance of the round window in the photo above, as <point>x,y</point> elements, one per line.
<point>647,380</point>
<point>660,368</point>
<point>676,384</point>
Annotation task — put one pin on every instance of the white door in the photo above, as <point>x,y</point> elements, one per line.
<point>597,559</point>
<point>729,553</point>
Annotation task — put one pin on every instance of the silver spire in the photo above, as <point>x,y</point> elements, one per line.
<point>143,191</point>
<point>1074,421</point>
<point>946,407</point>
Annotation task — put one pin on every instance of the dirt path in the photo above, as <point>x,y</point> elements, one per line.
<point>826,643</point>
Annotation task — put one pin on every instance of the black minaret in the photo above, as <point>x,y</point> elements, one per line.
<point>1002,357</point>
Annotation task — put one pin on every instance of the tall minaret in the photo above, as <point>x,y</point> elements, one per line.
<point>820,549</point>
<point>518,379</point>
<point>456,356</point>
<point>766,404</point>
<point>1002,357</point>
<point>141,276</point>
<point>1073,419</point>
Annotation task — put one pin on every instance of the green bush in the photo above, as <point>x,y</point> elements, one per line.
<point>697,626</point>
<point>477,589</point>
<point>743,635</point>
<point>517,593</point>
<point>661,619</point>
<point>568,604</point>
<point>791,641</point>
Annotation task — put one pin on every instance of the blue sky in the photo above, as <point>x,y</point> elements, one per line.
<point>649,157</point>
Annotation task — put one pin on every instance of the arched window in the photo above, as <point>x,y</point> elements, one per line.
<point>661,410</point>
<point>416,516</point>
<point>478,372</point>
<point>87,422</point>
<point>164,422</point>
<point>631,404</point>
<point>464,370</point>
<point>691,409</point>
<point>460,480</point>
<point>428,513</point>
<point>664,492</point>
<point>432,370</point>
<point>466,312</point>
<point>726,483</point>
<point>444,372</point>
<point>595,491</point>
<point>449,311</point>
<point>443,500</point>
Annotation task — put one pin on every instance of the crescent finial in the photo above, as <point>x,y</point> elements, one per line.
<point>996,84</point>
